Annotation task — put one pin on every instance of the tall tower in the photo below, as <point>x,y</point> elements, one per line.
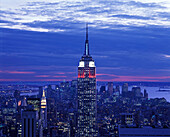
<point>44,110</point>
<point>86,94</point>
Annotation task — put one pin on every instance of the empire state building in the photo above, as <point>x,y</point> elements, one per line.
<point>86,94</point>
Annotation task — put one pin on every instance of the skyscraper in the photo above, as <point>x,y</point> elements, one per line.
<point>36,103</point>
<point>86,94</point>
<point>110,88</point>
<point>44,110</point>
<point>29,119</point>
<point>124,89</point>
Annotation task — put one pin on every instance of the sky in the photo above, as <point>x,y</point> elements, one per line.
<point>43,40</point>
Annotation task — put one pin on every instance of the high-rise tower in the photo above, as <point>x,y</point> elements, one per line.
<point>86,94</point>
<point>44,110</point>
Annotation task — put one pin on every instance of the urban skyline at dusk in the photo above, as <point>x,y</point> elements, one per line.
<point>81,68</point>
<point>43,41</point>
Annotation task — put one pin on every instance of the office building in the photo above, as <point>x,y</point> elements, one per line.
<point>124,89</point>
<point>86,94</point>
<point>110,88</point>
<point>36,103</point>
<point>44,110</point>
<point>29,122</point>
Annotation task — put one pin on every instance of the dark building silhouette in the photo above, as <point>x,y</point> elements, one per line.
<point>117,90</point>
<point>40,92</point>
<point>102,89</point>
<point>137,92</point>
<point>86,94</point>
<point>29,119</point>
<point>145,94</point>
<point>124,89</point>
<point>110,88</point>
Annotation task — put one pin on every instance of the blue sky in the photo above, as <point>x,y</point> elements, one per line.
<point>44,40</point>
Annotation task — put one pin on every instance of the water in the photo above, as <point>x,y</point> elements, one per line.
<point>153,92</point>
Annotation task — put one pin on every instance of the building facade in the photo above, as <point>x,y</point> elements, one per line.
<point>29,120</point>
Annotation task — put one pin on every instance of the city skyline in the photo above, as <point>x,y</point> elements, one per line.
<point>127,45</point>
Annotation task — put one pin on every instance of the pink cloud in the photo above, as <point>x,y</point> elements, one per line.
<point>110,75</point>
<point>42,76</point>
<point>71,72</point>
<point>121,80</point>
<point>17,72</point>
<point>59,76</point>
<point>132,78</point>
<point>10,80</point>
<point>35,79</point>
<point>20,72</point>
<point>101,74</point>
<point>52,80</point>
<point>60,73</point>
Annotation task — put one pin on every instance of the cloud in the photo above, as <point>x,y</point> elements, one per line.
<point>59,76</point>
<point>10,79</point>
<point>167,56</point>
<point>28,28</point>
<point>42,76</point>
<point>111,77</point>
<point>17,72</point>
<point>104,14</point>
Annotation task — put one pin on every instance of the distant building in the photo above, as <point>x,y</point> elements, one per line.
<point>110,88</point>
<point>64,84</point>
<point>127,120</point>
<point>9,112</point>
<point>124,89</point>
<point>74,83</point>
<point>58,92</point>
<point>24,102</point>
<point>17,95</point>
<point>137,92</point>
<point>145,94</point>
<point>138,119</point>
<point>49,92</point>
<point>40,92</point>
<point>117,90</point>
<point>51,112</point>
<point>102,89</point>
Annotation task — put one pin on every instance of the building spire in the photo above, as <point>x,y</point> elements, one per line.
<point>86,31</point>
<point>87,42</point>
<point>43,94</point>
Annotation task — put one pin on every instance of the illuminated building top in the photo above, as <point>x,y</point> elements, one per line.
<point>86,66</point>
<point>43,100</point>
